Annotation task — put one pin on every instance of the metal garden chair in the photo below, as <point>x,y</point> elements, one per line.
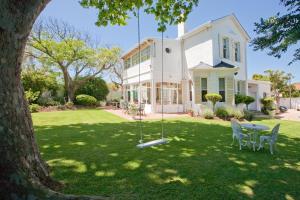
<point>270,139</point>
<point>237,133</point>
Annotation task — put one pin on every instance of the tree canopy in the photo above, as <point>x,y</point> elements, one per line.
<point>280,32</point>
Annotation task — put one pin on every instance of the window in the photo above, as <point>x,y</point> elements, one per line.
<point>135,93</point>
<point>203,89</point>
<point>190,90</point>
<point>171,93</point>
<point>146,93</point>
<point>226,48</point>
<point>222,88</point>
<point>237,52</point>
<point>128,93</point>
<point>145,54</point>
<point>127,63</point>
<point>239,87</point>
<point>135,59</point>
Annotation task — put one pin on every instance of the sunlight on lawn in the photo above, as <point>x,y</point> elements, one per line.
<point>95,153</point>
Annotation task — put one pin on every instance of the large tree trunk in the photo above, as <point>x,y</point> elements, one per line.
<point>23,174</point>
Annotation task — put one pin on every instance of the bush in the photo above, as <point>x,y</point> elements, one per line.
<point>239,98</point>
<point>47,101</point>
<point>248,100</point>
<point>248,115</point>
<point>95,87</point>
<point>268,105</point>
<point>222,112</point>
<point>34,108</point>
<point>31,96</point>
<point>237,114</point>
<point>69,105</point>
<point>208,114</point>
<point>86,100</point>
<point>214,98</point>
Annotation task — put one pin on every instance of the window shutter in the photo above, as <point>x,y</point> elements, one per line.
<point>243,87</point>
<point>230,90</point>
<point>197,86</point>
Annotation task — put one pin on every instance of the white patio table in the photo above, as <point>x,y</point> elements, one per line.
<point>254,129</point>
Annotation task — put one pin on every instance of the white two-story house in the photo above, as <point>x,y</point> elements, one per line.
<point>211,58</point>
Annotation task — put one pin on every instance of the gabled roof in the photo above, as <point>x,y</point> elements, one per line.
<point>211,22</point>
<point>221,65</point>
<point>224,64</point>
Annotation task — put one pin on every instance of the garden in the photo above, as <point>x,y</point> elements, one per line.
<point>94,152</point>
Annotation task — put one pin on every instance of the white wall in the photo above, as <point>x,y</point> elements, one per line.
<point>131,75</point>
<point>198,48</point>
<point>295,102</point>
<point>172,61</point>
<point>257,89</point>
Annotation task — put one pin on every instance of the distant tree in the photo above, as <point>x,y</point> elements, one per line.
<point>279,82</point>
<point>95,87</point>
<point>260,77</point>
<point>59,45</point>
<point>280,32</point>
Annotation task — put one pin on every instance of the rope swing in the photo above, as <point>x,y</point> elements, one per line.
<point>162,140</point>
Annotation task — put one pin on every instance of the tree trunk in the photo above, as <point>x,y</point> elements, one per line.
<point>23,174</point>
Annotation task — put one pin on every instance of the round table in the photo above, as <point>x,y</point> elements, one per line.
<point>254,129</point>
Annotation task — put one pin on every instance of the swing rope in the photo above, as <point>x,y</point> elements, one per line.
<point>139,99</point>
<point>162,140</point>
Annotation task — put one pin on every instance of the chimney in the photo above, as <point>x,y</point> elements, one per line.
<point>181,29</point>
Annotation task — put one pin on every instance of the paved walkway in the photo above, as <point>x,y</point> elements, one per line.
<point>291,114</point>
<point>120,113</point>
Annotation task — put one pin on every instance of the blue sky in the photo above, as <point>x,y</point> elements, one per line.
<point>247,12</point>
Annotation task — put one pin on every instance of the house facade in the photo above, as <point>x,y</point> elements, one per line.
<point>211,58</point>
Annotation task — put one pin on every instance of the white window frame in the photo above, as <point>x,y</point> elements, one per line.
<point>227,48</point>
<point>237,52</point>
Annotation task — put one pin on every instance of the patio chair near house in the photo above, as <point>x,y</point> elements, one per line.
<point>238,134</point>
<point>270,139</point>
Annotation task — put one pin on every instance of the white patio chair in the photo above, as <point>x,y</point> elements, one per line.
<point>237,133</point>
<point>270,139</point>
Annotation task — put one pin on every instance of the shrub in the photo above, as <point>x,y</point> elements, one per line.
<point>222,112</point>
<point>34,108</point>
<point>248,115</point>
<point>69,105</point>
<point>268,105</point>
<point>239,98</point>
<point>248,100</point>
<point>95,87</point>
<point>214,98</point>
<point>31,96</point>
<point>47,101</point>
<point>86,100</point>
<point>237,114</point>
<point>208,114</point>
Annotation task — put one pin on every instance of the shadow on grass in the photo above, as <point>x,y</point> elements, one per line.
<point>198,162</point>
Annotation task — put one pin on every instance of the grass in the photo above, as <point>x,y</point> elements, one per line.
<point>94,152</point>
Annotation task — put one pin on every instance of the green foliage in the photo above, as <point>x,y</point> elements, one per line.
<point>34,108</point>
<point>260,77</point>
<point>248,115</point>
<point>222,112</point>
<point>268,105</point>
<point>280,32</point>
<point>31,96</point>
<point>208,114</point>
<point>214,98</point>
<point>248,100</point>
<point>39,80</point>
<point>165,11</point>
<point>69,105</point>
<point>86,100</point>
<point>46,101</point>
<point>239,98</point>
<point>238,114</point>
<point>95,87</point>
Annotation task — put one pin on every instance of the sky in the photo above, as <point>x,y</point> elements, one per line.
<point>247,11</point>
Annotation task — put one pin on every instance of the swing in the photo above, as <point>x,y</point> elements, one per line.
<point>163,140</point>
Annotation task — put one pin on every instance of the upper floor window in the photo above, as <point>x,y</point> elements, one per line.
<point>127,63</point>
<point>145,54</point>
<point>203,89</point>
<point>226,48</point>
<point>222,88</point>
<point>237,52</point>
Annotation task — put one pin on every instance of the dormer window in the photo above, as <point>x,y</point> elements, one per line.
<point>237,52</point>
<point>226,48</point>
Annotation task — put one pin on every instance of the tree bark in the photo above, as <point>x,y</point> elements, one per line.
<point>23,174</point>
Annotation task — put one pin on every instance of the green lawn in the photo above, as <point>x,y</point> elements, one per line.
<point>94,152</point>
